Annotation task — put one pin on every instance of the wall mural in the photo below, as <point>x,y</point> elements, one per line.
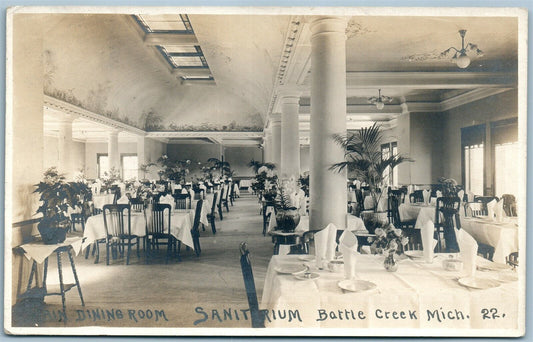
<point>97,101</point>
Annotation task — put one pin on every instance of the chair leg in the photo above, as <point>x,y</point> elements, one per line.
<point>138,252</point>
<point>203,227</point>
<point>75,276</point>
<point>87,251</point>
<point>220,213</point>
<point>213,228</point>
<point>146,249</point>
<point>128,252</point>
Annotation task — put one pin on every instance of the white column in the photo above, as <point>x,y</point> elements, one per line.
<point>267,141</point>
<point>290,137</point>
<point>112,150</point>
<point>276,138</point>
<point>328,117</point>
<point>141,156</point>
<point>64,146</point>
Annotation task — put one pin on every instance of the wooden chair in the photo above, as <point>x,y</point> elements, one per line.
<point>512,260</point>
<point>231,196</point>
<point>258,316</point>
<point>448,207</point>
<point>484,200</point>
<point>117,223</point>
<point>407,227</point>
<point>211,214</point>
<point>485,251</point>
<point>182,201</point>
<point>417,196</point>
<point>159,228</point>
<point>137,204</point>
<point>195,231</point>
<point>474,209</point>
<point>219,204</point>
<point>77,219</point>
<point>509,204</point>
<point>225,197</point>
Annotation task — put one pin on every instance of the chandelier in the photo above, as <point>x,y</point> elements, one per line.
<point>460,57</point>
<point>380,100</point>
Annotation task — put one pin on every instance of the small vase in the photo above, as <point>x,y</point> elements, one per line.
<point>390,264</point>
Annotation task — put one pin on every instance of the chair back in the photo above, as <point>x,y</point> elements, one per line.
<point>214,204</point>
<point>258,316</point>
<point>197,214</point>
<point>117,220</point>
<point>116,195</point>
<point>474,209</point>
<point>222,195</point>
<point>137,204</point>
<point>182,201</point>
<point>417,196</point>
<point>509,204</point>
<point>393,211</point>
<point>448,207</point>
<point>160,220</point>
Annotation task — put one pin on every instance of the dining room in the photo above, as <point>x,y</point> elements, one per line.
<point>198,168</point>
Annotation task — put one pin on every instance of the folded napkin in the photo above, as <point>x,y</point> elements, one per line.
<point>426,194</point>
<point>470,195</point>
<point>433,201</point>
<point>184,191</point>
<point>468,250</point>
<point>428,243</point>
<point>490,209</point>
<point>123,200</point>
<point>348,248</point>
<point>461,194</point>
<point>325,245</point>
<point>498,211</point>
<point>439,193</point>
<point>178,186</point>
<point>168,199</point>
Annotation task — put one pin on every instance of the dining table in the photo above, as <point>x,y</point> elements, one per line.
<point>503,236</point>
<point>418,295</point>
<point>420,212</point>
<point>100,200</point>
<point>180,227</point>
<point>353,223</point>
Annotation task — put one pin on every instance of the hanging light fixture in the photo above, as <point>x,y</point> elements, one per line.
<point>380,100</point>
<point>460,57</point>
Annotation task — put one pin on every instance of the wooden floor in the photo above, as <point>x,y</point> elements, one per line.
<point>205,291</point>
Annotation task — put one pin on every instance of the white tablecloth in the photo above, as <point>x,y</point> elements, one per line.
<point>414,288</point>
<point>502,236</point>
<point>245,183</point>
<point>180,227</point>
<point>369,203</point>
<point>100,200</point>
<point>353,222</point>
<point>422,213</point>
<point>38,251</point>
<point>206,208</point>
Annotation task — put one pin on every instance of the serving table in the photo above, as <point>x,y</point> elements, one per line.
<point>39,253</point>
<point>503,236</point>
<point>417,295</point>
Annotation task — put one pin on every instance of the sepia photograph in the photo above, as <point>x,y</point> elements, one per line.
<point>265,171</point>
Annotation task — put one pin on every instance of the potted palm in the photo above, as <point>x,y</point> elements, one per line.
<point>364,160</point>
<point>287,215</point>
<point>56,196</point>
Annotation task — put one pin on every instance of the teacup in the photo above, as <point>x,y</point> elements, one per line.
<point>336,266</point>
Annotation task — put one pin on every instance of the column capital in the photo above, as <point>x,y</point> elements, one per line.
<point>290,96</point>
<point>323,25</point>
<point>65,118</point>
<point>275,119</point>
<point>113,132</point>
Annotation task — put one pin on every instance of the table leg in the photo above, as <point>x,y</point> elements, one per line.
<point>75,275</point>
<point>61,286</point>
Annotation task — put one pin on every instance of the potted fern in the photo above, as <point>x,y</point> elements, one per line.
<point>56,196</point>
<point>364,160</point>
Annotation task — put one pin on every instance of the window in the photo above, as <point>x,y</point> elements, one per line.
<point>504,136</point>
<point>473,162</point>
<point>499,145</point>
<point>129,167</point>
<point>102,164</point>
<point>388,150</point>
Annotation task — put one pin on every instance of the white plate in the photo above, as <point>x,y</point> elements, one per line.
<point>507,277</point>
<point>306,276</point>
<point>290,268</point>
<point>479,283</point>
<point>484,264</point>
<point>414,254</point>
<point>306,258</point>
<point>354,285</point>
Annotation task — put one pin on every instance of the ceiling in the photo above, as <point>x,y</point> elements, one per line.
<point>107,64</point>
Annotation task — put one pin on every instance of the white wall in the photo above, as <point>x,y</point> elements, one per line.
<point>51,154</point>
<point>92,149</point>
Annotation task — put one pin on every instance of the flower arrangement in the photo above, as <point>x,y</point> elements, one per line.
<point>110,177</point>
<point>173,170</point>
<point>303,181</point>
<point>449,186</point>
<point>389,240</point>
